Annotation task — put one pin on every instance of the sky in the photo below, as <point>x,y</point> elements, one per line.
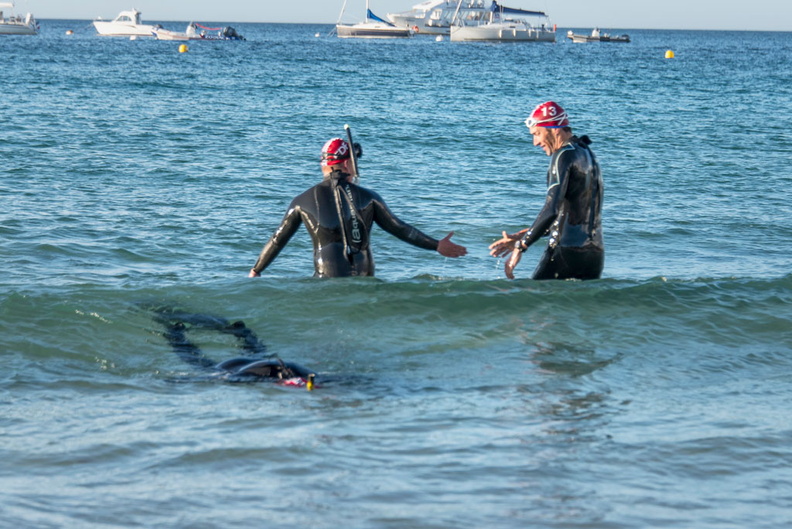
<point>762,15</point>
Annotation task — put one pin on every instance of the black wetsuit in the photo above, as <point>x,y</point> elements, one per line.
<point>571,215</point>
<point>339,217</point>
<point>256,366</point>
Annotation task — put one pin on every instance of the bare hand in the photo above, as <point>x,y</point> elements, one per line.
<point>446,248</point>
<point>512,263</point>
<point>253,273</point>
<point>505,245</point>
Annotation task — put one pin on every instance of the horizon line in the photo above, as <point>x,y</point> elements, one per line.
<point>334,23</point>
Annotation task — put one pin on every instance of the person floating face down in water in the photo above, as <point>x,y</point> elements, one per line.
<point>255,366</point>
<point>571,215</point>
<point>339,215</point>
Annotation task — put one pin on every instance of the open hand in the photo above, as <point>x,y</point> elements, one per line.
<point>447,248</point>
<point>505,244</point>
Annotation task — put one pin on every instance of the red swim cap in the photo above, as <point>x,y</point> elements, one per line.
<point>334,152</point>
<point>549,115</point>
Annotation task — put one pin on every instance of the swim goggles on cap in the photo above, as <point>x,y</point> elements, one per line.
<point>555,122</point>
<point>549,115</point>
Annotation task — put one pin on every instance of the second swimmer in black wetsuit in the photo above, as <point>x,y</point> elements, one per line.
<point>571,215</point>
<point>339,216</point>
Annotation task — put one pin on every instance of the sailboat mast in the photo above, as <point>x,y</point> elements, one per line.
<point>341,15</point>
<point>456,12</point>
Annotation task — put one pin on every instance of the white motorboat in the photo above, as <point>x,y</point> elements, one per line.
<point>418,13</point>
<point>126,24</point>
<point>16,25</point>
<point>505,24</point>
<point>191,33</point>
<point>434,17</point>
<point>597,36</point>
<point>373,28</point>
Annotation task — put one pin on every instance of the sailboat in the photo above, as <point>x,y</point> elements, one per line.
<point>434,17</point>
<point>505,24</point>
<point>373,28</point>
<point>16,25</point>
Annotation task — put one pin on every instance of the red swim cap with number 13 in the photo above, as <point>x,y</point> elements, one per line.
<point>549,115</point>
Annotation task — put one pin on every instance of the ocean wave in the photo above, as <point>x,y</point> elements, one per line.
<point>103,329</point>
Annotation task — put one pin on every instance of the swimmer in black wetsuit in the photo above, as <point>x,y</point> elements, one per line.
<point>571,215</point>
<point>256,366</point>
<point>339,216</point>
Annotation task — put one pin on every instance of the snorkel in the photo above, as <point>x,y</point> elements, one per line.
<point>345,153</point>
<point>353,154</point>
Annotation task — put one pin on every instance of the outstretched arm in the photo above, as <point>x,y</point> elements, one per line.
<point>389,222</point>
<point>528,236</point>
<point>514,245</point>
<point>517,243</point>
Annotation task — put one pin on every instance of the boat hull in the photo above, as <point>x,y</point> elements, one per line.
<point>372,31</point>
<point>588,38</point>
<point>419,25</point>
<point>164,34</point>
<point>500,33</point>
<point>17,29</point>
<point>597,36</point>
<point>434,28</point>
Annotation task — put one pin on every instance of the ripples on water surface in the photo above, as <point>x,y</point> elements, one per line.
<point>136,177</point>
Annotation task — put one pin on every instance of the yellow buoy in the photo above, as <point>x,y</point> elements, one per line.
<point>183,48</point>
<point>669,54</point>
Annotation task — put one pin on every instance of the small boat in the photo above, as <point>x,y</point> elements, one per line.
<point>191,33</point>
<point>504,24</point>
<point>434,17</point>
<point>166,34</point>
<point>597,36</point>
<point>16,25</point>
<point>224,33</point>
<point>126,24</point>
<point>373,28</point>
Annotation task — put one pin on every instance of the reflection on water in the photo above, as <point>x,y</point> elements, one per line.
<point>570,359</point>
<point>573,402</point>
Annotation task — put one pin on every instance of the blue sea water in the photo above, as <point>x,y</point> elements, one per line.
<point>136,177</point>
